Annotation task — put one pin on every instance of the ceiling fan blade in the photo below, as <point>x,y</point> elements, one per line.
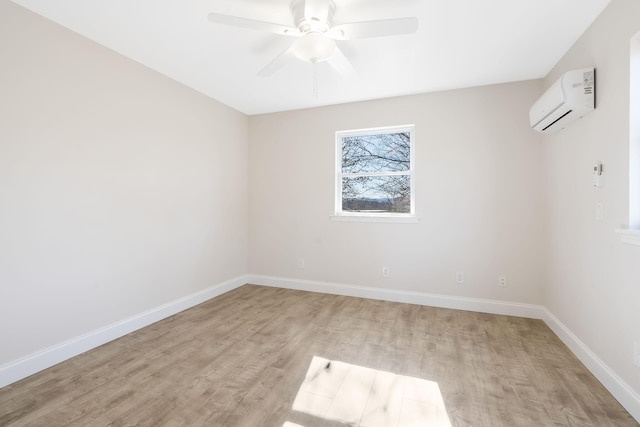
<point>366,29</point>
<point>252,24</point>
<point>339,62</point>
<point>279,61</point>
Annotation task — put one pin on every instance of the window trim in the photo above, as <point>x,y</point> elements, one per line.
<point>631,234</point>
<point>340,215</point>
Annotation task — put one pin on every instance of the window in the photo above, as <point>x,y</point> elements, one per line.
<point>634,133</point>
<point>375,173</point>
<point>631,234</point>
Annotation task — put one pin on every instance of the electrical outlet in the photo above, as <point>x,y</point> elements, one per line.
<point>300,262</point>
<point>502,281</point>
<point>636,354</point>
<point>385,272</point>
<point>459,277</point>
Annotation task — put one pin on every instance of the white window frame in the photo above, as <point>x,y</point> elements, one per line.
<point>631,233</point>
<point>341,215</point>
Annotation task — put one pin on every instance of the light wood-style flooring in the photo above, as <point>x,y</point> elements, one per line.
<point>260,356</point>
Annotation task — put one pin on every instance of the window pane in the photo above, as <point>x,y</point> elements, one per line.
<point>388,152</point>
<point>376,194</point>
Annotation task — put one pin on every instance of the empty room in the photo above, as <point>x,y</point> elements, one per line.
<point>320,213</point>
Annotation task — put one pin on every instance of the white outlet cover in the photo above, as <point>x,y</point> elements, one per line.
<point>636,354</point>
<point>502,281</point>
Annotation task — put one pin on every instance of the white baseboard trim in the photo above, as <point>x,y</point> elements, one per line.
<point>29,365</point>
<point>616,386</point>
<point>36,362</point>
<point>434,300</point>
<point>627,397</point>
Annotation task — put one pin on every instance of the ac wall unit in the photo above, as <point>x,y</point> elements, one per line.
<point>567,100</point>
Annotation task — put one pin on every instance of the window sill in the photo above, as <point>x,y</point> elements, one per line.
<point>406,219</point>
<point>629,236</point>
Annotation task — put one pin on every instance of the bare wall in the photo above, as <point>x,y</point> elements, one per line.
<point>594,279</point>
<point>120,189</point>
<point>480,195</point>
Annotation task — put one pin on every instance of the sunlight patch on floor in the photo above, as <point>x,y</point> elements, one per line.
<point>365,397</point>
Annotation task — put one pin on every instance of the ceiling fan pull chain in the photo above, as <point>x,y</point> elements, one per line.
<point>315,79</point>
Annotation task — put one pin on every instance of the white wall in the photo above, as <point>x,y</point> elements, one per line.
<point>120,190</point>
<point>479,194</point>
<point>594,279</point>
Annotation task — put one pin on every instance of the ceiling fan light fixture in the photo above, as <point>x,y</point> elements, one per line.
<point>315,35</point>
<point>314,47</point>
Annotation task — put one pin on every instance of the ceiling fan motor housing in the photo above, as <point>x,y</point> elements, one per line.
<point>313,16</point>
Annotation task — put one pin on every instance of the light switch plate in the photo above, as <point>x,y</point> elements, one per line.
<point>599,211</point>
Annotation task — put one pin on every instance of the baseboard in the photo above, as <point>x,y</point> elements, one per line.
<point>627,397</point>
<point>616,385</point>
<point>29,365</point>
<point>36,362</point>
<point>434,300</point>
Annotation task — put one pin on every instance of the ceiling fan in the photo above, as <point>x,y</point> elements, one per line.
<point>316,34</point>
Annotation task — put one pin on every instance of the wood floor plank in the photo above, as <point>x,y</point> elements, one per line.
<point>240,359</point>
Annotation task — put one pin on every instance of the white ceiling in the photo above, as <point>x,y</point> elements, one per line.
<point>459,43</point>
